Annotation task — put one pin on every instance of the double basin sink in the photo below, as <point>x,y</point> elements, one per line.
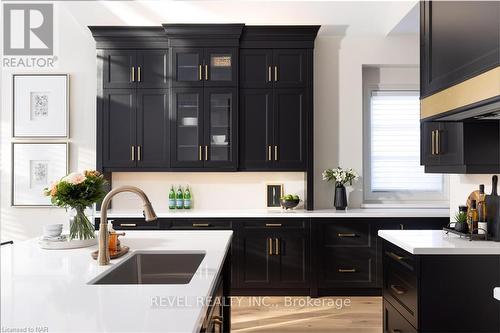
<point>153,268</point>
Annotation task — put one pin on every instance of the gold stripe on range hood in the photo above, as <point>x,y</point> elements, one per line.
<point>476,89</point>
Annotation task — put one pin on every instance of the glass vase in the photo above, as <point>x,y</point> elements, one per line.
<point>80,226</point>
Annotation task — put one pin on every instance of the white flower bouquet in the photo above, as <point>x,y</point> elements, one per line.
<point>340,176</point>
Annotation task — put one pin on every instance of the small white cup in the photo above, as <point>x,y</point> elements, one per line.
<point>482,228</point>
<point>219,138</point>
<point>52,230</point>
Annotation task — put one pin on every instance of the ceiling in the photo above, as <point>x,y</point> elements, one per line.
<point>335,17</point>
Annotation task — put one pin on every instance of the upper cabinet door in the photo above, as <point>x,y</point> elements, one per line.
<point>255,130</point>
<point>289,68</point>
<point>119,69</point>
<point>152,69</point>
<point>256,68</point>
<point>119,128</point>
<point>289,129</point>
<point>459,40</point>
<point>187,128</point>
<point>187,67</point>
<point>220,67</point>
<point>428,142</point>
<point>153,128</point>
<point>220,127</point>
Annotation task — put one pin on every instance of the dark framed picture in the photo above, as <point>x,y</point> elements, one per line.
<point>273,194</point>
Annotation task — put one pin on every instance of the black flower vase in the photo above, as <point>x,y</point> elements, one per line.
<point>340,201</point>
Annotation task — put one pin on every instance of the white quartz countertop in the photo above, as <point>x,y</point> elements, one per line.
<point>276,213</point>
<point>49,288</point>
<point>437,242</point>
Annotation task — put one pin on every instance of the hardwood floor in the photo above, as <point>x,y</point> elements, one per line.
<point>299,314</point>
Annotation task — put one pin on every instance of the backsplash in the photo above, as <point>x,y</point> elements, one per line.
<point>210,190</point>
<point>462,185</point>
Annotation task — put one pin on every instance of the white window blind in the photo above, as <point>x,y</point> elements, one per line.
<point>395,144</point>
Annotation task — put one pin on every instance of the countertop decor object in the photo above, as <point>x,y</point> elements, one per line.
<point>64,243</point>
<point>78,191</point>
<point>493,210</point>
<point>55,275</point>
<point>289,204</point>
<point>121,251</point>
<point>341,177</point>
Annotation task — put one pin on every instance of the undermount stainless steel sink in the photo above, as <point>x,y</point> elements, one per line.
<point>154,268</point>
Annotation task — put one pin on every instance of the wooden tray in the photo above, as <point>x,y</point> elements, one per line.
<point>113,254</point>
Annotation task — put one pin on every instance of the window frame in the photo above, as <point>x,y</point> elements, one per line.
<point>410,198</point>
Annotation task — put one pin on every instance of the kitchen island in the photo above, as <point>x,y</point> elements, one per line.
<point>51,290</point>
<point>438,282</point>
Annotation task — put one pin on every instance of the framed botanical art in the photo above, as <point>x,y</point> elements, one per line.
<point>40,105</point>
<point>274,192</point>
<point>34,167</point>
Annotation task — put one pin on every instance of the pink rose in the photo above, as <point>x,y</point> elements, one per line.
<point>74,178</point>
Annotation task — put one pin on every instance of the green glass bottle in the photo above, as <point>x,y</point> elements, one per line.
<point>171,198</point>
<point>187,198</point>
<point>179,198</point>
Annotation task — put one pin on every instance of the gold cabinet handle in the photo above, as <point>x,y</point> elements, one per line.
<point>206,153</point>
<point>347,270</point>
<point>269,154</point>
<point>343,235</point>
<point>275,73</point>
<point>132,73</point>
<point>438,144</point>
<point>275,153</point>
<point>433,143</point>
<point>275,225</point>
<point>277,246</point>
<point>138,153</point>
<point>139,74</point>
<point>199,72</point>
<point>201,225</point>
<point>394,256</point>
<point>206,72</point>
<point>128,225</point>
<point>132,153</point>
<point>199,153</point>
<point>270,246</point>
<point>397,289</point>
<point>269,75</point>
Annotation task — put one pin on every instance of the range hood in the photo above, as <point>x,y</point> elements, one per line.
<point>475,98</point>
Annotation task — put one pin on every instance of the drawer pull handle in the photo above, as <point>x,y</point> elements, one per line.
<point>347,270</point>
<point>273,225</point>
<point>398,290</point>
<point>277,246</point>
<point>198,225</point>
<point>396,331</point>
<point>394,256</point>
<point>342,235</point>
<point>270,246</point>
<point>128,225</point>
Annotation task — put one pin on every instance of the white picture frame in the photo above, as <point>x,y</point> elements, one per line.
<point>40,107</point>
<point>35,165</point>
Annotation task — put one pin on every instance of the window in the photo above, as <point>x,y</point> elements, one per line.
<point>393,173</point>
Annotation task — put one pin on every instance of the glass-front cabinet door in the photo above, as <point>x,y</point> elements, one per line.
<point>187,127</point>
<point>220,67</point>
<point>187,67</point>
<point>219,127</point>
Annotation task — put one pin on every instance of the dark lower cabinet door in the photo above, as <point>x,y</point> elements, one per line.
<point>119,128</point>
<point>153,128</point>
<point>289,129</point>
<point>289,69</point>
<point>152,69</point>
<point>256,68</point>
<point>256,108</point>
<point>292,252</point>
<point>187,128</point>
<point>119,69</point>
<point>254,259</point>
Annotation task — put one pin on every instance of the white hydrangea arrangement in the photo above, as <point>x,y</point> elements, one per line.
<point>340,176</point>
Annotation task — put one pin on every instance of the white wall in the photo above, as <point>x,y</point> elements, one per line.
<point>338,115</point>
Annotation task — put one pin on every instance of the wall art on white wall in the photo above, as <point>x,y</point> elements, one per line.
<point>34,167</point>
<point>40,105</point>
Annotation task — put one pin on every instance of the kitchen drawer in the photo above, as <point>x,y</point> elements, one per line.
<point>394,254</point>
<point>394,322</point>
<point>354,233</point>
<point>205,224</point>
<point>277,224</point>
<point>400,288</point>
<point>347,267</point>
<point>130,224</point>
